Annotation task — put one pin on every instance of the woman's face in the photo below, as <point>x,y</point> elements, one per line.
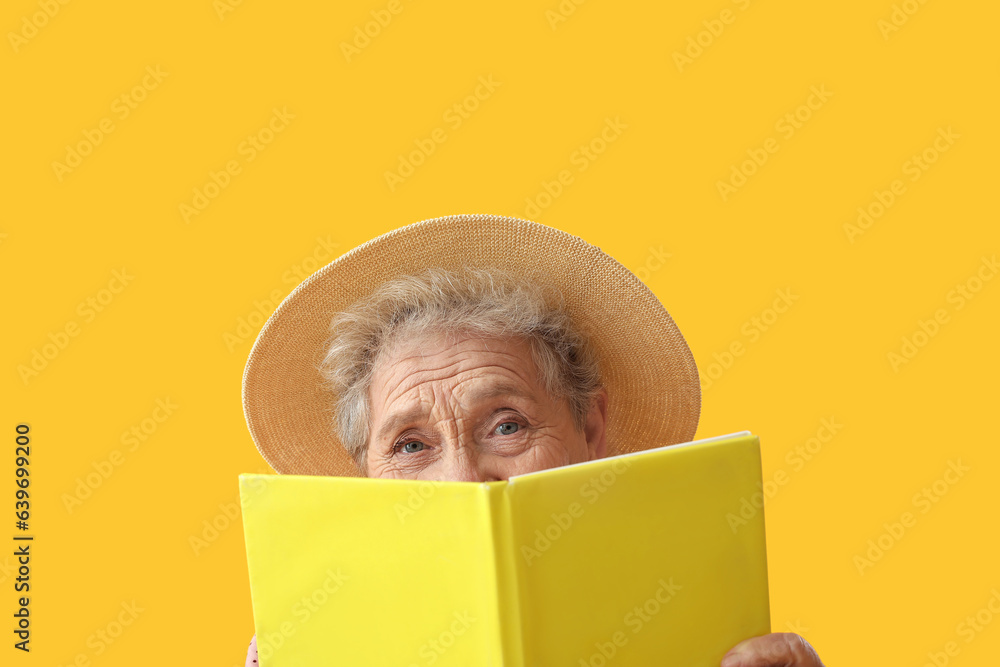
<point>471,409</point>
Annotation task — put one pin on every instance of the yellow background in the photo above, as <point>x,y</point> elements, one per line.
<point>182,326</point>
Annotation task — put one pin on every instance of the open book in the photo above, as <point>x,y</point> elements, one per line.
<point>640,559</point>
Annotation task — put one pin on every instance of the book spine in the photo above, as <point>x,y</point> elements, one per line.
<point>508,602</point>
<point>759,469</point>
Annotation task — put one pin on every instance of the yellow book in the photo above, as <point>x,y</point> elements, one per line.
<point>655,557</point>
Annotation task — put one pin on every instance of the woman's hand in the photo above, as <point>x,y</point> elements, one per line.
<point>252,653</point>
<point>778,649</point>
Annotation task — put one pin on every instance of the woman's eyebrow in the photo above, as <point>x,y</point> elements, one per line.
<point>397,421</point>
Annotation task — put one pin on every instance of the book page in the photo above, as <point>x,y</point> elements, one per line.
<point>636,560</point>
<point>347,571</point>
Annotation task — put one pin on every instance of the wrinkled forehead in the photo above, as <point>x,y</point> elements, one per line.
<point>457,368</point>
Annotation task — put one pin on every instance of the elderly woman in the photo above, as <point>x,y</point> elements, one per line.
<point>522,348</point>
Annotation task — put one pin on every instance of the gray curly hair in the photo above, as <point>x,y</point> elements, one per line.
<point>491,304</point>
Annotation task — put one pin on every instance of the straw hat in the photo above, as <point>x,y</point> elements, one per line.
<point>653,393</point>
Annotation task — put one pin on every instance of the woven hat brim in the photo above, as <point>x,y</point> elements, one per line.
<point>646,365</point>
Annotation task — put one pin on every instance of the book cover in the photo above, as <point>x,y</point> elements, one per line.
<point>639,559</point>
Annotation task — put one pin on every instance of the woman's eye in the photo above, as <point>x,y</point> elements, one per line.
<point>508,428</point>
<point>413,446</point>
